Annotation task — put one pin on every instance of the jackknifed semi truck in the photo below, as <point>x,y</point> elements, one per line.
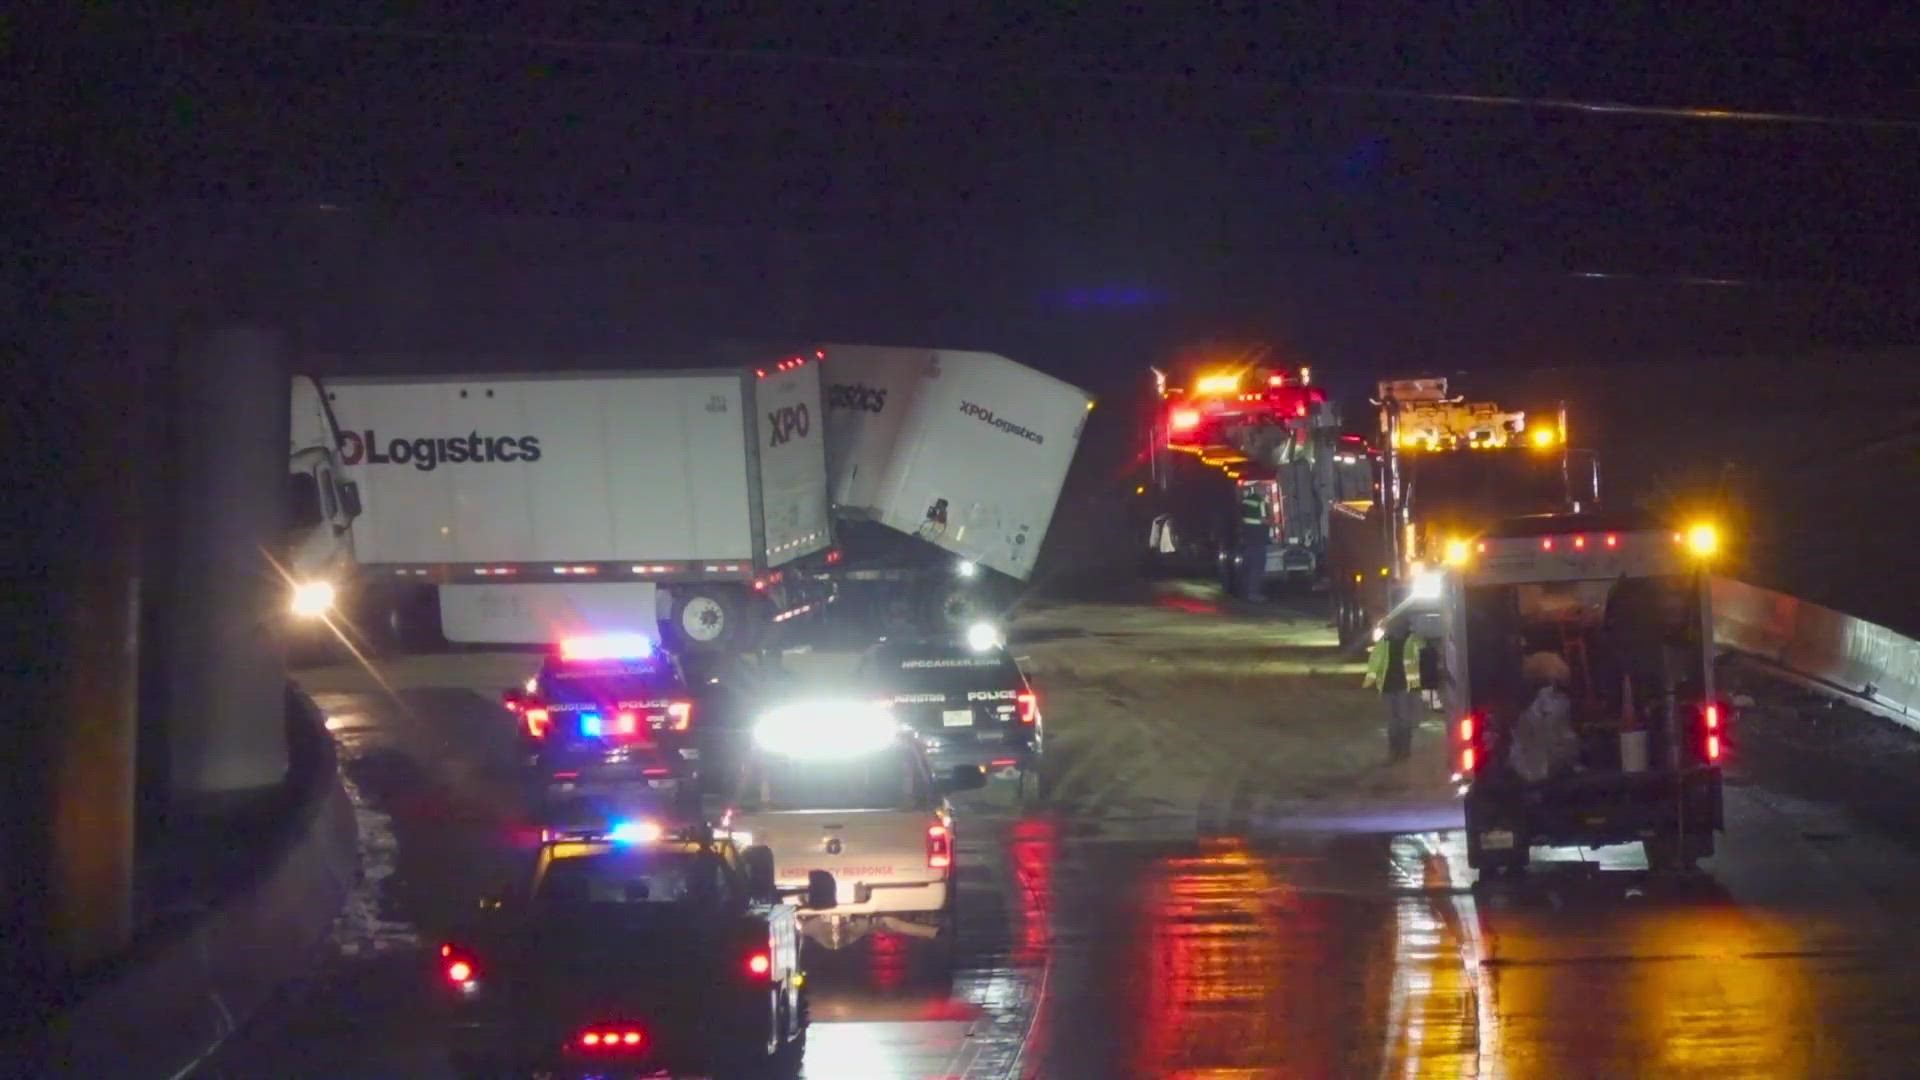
<point>709,504</point>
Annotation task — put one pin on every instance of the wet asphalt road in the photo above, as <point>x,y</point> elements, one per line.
<point>1181,912</point>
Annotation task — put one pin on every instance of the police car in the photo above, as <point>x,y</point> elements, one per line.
<point>843,787</point>
<point>634,949</point>
<point>969,703</point>
<point>608,716</point>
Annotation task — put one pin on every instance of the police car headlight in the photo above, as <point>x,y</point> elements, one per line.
<point>312,599</point>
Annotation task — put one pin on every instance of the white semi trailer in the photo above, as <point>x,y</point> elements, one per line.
<point>915,485</point>
<point>533,505</point>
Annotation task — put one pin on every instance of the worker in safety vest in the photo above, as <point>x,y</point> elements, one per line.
<point>1393,667</point>
<point>1251,542</point>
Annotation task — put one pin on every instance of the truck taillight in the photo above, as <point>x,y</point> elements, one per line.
<point>1029,703</point>
<point>1468,734</point>
<point>939,846</point>
<point>1710,719</point>
<point>760,964</point>
<point>457,967</point>
<point>538,721</point>
<point>680,715</point>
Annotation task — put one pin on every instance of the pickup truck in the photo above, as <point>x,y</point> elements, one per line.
<point>633,949</point>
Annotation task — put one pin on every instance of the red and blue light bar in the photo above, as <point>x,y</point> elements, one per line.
<point>607,647</point>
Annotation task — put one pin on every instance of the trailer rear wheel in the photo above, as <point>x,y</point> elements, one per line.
<point>708,620</point>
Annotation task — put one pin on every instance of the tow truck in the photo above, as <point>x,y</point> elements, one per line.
<point>842,786</point>
<point>634,948</point>
<point>1442,468</point>
<point>1240,448</point>
<point>608,716</point>
<point>1619,608</point>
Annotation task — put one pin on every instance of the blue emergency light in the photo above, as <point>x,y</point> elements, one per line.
<point>635,832</point>
<point>590,725</point>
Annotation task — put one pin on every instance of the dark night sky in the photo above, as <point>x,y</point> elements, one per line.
<point>1071,183</point>
<point>1081,191</point>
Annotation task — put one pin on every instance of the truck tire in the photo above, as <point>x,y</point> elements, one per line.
<point>1670,854</point>
<point>706,620</point>
<point>951,607</point>
<point>401,620</point>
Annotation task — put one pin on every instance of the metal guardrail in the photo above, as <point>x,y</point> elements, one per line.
<point>1860,662</point>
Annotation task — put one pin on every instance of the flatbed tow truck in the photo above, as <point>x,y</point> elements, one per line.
<point>1610,615</point>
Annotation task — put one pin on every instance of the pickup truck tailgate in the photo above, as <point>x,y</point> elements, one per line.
<point>858,847</point>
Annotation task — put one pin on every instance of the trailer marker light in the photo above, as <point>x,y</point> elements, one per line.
<point>1466,759</point>
<point>1613,541</point>
<point>1713,717</point>
<point>1713,748</point>
<point>1466,729</point>
<point>1580,543</point>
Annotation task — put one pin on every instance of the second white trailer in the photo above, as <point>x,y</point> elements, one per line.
<point>967,451</point>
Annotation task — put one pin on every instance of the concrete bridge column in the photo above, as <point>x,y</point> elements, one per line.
<point>225,603</point>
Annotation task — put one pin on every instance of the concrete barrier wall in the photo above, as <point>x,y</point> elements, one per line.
<point>176,999</point>
<point>1860,660</point>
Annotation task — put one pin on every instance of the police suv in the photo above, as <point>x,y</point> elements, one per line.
<point>609,717</point>
<point>968,703</point>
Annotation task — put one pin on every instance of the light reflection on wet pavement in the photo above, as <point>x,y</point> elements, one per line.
<point>1241,934</point>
